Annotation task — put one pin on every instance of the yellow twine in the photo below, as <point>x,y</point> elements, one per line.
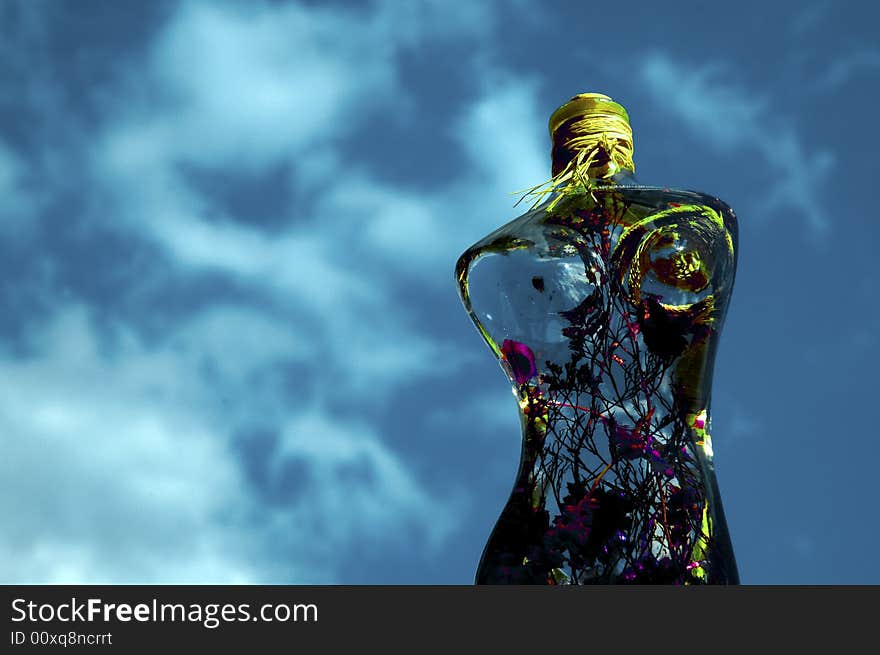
<point>590,137</point>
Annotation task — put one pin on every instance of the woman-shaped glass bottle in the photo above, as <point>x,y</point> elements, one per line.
<point>604,304</point>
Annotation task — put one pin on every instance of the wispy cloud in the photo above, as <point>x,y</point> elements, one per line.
<point>125,462</point>
<point>105,458</point>
<point>809,18</point>
<point>420,233</point>
<point>252,87</point>
<point>363,487</point>
<point>126,452</point>
<point>842,69</point>
<point>733,118</point>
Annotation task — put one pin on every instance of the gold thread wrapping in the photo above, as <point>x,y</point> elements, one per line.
<point>599,138</point>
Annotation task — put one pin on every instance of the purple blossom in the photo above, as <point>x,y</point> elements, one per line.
<point>520,359</point>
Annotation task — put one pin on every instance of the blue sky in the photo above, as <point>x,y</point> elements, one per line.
<point>232,349</point>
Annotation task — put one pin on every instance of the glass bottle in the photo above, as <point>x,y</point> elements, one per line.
<point>604,304</point>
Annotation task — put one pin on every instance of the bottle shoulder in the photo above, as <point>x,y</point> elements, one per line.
<point>612,209</point>
<point>673,245</point>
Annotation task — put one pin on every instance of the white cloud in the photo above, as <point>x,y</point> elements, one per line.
<point>283,84</point>
<point>732,118</point>
<point>493,410</point>
<point>422,233</point>
<point>257,85</point>
<point>718,110</point>
<point>297,262</point>
<point>108,472</point>
<point>359,485</point>
<point>123,460</point>
<point>120,450</point>
<point>332,263</point>
<point>506,137</point>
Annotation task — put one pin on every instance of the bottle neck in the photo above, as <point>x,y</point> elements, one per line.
<point>592,142</point>
<point>602,166</point>
<point>593,146</point>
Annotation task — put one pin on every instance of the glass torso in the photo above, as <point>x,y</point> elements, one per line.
<point>604,312</point>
